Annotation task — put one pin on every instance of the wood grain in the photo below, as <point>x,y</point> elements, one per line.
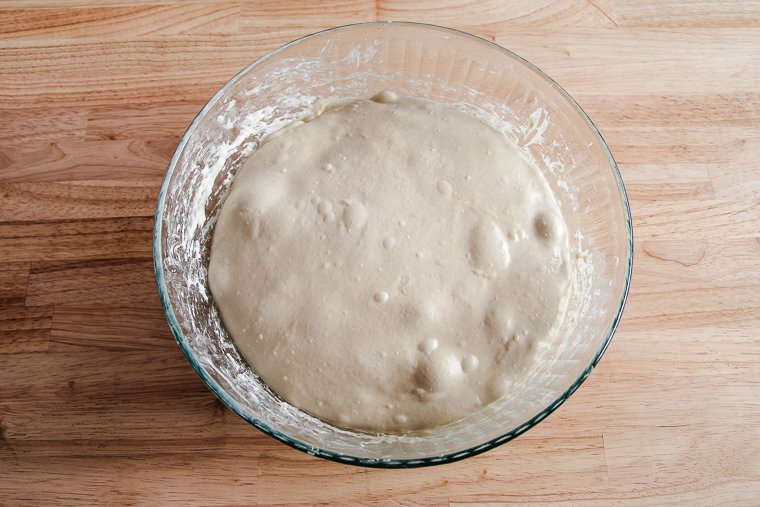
<point>24,328</point>
<point>118,21</point>
<point>71,161</point>
<point>76,240</point>
<point>98,404</point>
<point>14,277</point>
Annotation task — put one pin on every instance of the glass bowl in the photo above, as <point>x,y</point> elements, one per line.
<point>421,61</point>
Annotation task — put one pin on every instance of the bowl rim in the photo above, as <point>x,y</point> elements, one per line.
<point>220,393</point>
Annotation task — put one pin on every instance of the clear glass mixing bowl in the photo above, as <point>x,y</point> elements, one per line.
<point>420,61</point>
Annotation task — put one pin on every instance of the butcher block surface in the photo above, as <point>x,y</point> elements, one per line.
<point>98,404</point>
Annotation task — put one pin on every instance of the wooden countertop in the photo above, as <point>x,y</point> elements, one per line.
<point>97,403</point>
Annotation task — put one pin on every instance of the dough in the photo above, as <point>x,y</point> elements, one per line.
<point>392,264</point>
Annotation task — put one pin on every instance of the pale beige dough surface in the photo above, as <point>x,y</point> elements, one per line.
<point>391,265</point>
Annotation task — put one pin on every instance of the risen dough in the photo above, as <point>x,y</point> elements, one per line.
<point>391,265</point>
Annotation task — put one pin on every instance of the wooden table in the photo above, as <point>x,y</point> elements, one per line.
<point>98,405</point>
